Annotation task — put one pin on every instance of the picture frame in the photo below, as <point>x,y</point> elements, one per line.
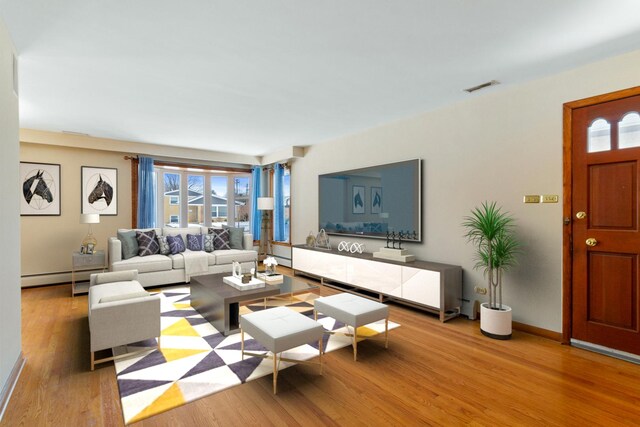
<point>40,192</point>
<point>376,200</point>
<point>90,249</point>
<point>357,199</point>
<point>99,190</point>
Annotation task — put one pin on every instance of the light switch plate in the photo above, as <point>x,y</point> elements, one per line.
<point>550,198</point>
<point>531,198</point>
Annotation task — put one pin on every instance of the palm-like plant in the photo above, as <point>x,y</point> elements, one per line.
<point>492,232</point>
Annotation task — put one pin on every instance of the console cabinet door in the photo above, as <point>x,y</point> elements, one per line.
<point>377,276</point>
<point>321,264</point>
<point>421,286</point>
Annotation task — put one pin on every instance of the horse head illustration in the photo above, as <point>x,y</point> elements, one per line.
<point>36,186</point>
<point>102,190</point>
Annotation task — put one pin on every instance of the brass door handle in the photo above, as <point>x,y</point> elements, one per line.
<point>591,242</point>
<point>581,215</point>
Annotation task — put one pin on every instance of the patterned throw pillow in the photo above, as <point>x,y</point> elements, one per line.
<point>208,242</point>
<point>164,245</point>
<point>176,244</point>
<point>195,242</point>
<point>220,238</point>
<point>147,243</point>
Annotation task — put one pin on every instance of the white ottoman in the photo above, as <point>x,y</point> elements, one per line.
<point>354,311</point>
<point>280,329</point>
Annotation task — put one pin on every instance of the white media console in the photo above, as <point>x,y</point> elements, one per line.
<point>430,286</point>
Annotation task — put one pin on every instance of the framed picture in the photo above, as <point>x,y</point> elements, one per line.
<point>376,200</point>
<point>99,192</point>
<point>40,193</point>
<point>357,200</point>
<point>90,248</point>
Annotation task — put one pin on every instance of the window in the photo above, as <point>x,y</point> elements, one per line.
<point>202,199</point>
<point>599,136</point>
<point>285,207</point>
<point>629,131</point>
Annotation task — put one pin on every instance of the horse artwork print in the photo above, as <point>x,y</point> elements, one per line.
<point>40,189</point>
<point>99,190</point>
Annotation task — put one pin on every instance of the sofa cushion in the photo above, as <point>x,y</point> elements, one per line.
<point>163,245</point>
<point>107,290</point>
<point>230,255</point>
<point>170,231</point>
<point>195,242</point>
<point>129,243</point>
<point>208,242</point>
<point>176,244</point>
<point>147,243</point>
<point>220,238</point>
<point>235,236</point>
<point>143,264</point>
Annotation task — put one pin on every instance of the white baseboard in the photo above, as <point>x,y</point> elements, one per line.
<point>5,394</point>
<point>52,278</point>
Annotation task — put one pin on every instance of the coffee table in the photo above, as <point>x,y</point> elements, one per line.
<point>219,303</point>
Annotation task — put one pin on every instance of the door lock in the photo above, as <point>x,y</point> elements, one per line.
<point>591,242</point>
<point>581,215</point>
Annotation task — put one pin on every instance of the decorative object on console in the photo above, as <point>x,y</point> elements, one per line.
<point>492,232</point>
<point>40,189</point>
<point>89,238</point>
<point>265,204</point>
<point>311,239</point>
<point>392,254</point>
<point>322,240</point>
<point>354,247</point>
<point>99,190</point>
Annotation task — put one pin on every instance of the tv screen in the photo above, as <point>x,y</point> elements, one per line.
<point>373,201</point>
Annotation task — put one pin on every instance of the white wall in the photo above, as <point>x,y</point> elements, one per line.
<point>10,340</point>
<point>498,146</point>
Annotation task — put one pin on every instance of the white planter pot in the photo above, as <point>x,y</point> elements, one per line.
<point>495,323</point>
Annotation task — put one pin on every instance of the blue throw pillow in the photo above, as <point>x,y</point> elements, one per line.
<point>176,244</point>
<point>195,242</point>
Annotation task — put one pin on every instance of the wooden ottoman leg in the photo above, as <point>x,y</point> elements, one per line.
<point>242,342</point>
<point>355,344</point>
<point>275,373</point>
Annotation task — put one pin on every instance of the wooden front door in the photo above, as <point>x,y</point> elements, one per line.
<point>605,225</point>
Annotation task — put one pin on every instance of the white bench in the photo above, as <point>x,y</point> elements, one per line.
<point>280,329</point>
<point>354,311</point>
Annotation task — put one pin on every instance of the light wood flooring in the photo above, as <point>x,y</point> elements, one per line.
<point>432,374</point>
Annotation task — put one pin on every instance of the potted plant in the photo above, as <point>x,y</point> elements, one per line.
<point>491,231</point>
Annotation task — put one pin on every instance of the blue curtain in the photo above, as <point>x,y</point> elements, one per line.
<point>278,201</point>
<point>256,215</point>
<point>146,193</point>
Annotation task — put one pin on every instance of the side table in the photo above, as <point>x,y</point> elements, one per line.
<point>85,262</point>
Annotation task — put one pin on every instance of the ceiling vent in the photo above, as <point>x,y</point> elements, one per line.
<point>482,86</point>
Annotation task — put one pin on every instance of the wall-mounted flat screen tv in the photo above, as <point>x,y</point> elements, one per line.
<point>373,201</point>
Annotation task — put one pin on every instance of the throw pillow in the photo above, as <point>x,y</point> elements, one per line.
<point>195,242</point>
<point>208,242</point>
<point>164,245</point>
<point>176,244</point>
<point>235,236</point>
<point>129,243</point>
<point>220,238</point>
<point>147,243</point>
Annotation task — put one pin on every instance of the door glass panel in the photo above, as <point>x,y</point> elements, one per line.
<point>241,197</point>
<point>171,199</point>
<point>629,131</point>
<point>599,136</point>
<point>196,199</point>
<point>218,200</point>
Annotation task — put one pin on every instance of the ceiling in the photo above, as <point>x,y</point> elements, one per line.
<point>253,77</point>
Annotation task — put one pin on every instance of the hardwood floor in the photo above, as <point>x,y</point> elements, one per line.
<point>432,374</point>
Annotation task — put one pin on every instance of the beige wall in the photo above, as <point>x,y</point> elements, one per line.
<point>48,241</point>
<point>499,145</point>
<point>10,321</point>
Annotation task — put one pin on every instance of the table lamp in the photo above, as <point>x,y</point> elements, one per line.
<point>89,219</point>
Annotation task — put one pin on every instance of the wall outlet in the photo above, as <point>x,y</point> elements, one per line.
<point>480,290</point>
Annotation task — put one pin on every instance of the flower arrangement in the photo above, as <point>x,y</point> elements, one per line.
<point>270,263</point>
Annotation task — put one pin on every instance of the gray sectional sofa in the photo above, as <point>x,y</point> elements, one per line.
<point>157,269</point>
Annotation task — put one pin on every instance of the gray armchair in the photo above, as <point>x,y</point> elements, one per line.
<point>120,312</point>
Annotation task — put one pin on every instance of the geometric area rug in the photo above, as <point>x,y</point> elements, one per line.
<point>195,360</point>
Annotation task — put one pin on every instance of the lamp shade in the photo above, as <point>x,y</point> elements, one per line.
<point>90,219</point>
<point>265,203</point>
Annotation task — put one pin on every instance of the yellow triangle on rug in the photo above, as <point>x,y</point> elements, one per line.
<point>168,400</point>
